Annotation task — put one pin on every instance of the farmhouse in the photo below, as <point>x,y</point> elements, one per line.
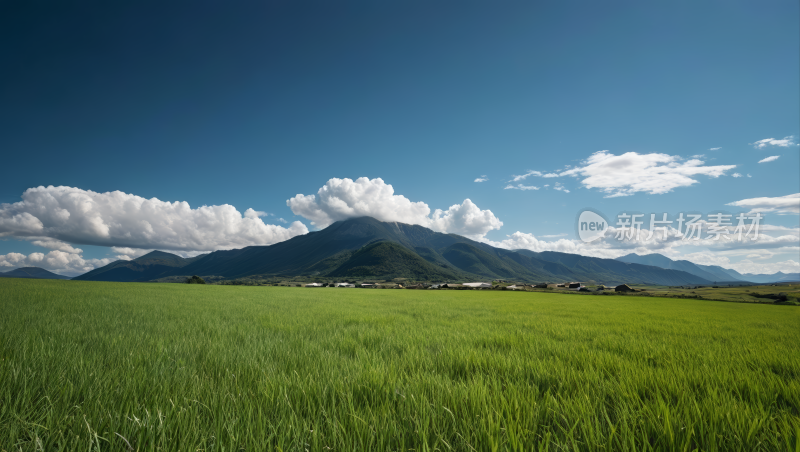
<point>344,284</point>
<point>515,287</point>
<point>368,285</point>
<point>313,284</point>
<point>623,288</point>
<point>575,286</point>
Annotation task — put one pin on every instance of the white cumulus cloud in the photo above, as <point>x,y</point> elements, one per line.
<point>626,174</point>
<point>120,219</point>
<point>340,199</point>
<point>736,175</point>
<point>784,143</point>
<point>789,204</point>
<point>769,159</point>
<point>482,179</point>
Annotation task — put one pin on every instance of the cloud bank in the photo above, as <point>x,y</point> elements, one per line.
<point>55,261</point>
<point>789,204</point>
<point>68,214</point>
<point>629,173</point>
<point>340,199</point>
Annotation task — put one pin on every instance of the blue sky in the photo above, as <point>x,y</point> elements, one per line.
<point>253,104</point>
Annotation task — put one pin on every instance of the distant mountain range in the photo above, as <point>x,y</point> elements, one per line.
<point>712,273</point>
<point>31,272</point>
<point>367,248</point>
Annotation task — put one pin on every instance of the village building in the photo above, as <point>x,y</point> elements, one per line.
<point>313,284</point>
<point>344,284</point>
<point>575,286</point>
<point>623,288</point>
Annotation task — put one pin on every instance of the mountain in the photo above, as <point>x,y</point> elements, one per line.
<point>322,252</point>
<point>709,273</point>
<point>31,272</point>
<point>143,268</point>
<point>365,247</point>
<point>388,260</point>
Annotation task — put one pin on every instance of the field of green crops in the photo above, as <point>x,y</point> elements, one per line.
<point>115,366</point>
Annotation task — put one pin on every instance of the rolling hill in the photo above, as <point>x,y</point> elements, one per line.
<point>361,247</point>
<point>31,272</point>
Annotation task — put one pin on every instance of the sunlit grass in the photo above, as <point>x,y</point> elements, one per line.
<point>105,366</point>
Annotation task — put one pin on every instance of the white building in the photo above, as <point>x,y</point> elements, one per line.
<point>478,285</point>
<point>344,284</point>
<point>313,284</point>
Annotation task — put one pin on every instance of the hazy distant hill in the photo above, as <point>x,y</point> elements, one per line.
<point>361,247</point>
<point>775,277</point>
<point>611,271</point>
<point>150,266</point>
<point>710,272</point>
<point>31,272</point>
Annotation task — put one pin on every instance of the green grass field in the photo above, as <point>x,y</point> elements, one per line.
<point>114,366</point>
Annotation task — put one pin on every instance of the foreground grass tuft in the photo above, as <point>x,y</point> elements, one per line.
<point>113,366</point>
